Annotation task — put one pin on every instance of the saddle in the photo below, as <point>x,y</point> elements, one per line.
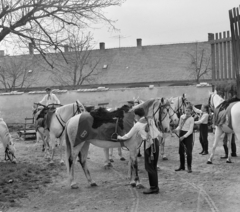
<point>222,114</point>
<point>100,123</point>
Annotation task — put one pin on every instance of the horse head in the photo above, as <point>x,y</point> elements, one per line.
<point>214,100</point>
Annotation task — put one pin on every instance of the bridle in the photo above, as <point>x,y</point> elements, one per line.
<point>210,102</point>
<point>160,108</point>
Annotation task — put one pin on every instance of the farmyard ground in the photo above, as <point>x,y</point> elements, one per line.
<point>38,186</point>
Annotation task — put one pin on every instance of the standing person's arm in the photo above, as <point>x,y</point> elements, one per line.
<point>130,133</point>
<point>196,110</point>
<point>202,119</point>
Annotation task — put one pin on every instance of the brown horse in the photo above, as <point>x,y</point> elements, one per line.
<point>98,127</point>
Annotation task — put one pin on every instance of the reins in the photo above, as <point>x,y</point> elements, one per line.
<point>9,156</point>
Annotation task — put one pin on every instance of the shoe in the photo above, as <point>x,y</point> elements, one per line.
<point>201,152</point>
<point>111,160</point>
<point>139,155</point>
<point>224,157</point>
<point>189,171</point>
<point>122,159</point>
<point>151,191</point>
<point>205,153</point>
<point>179,169</point>
<point>234,155</point>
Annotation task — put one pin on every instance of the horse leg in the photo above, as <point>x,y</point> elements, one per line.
<point>111,155</point>
<point>107,163</point>
<point>82,155</point>
<point>218,133</point>
<point>162,145</point>
<point>229,142</point>
<point>71,155</point>
<point>61,151</point>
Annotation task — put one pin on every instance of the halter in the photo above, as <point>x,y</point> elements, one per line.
<point>160,109</point>
<point>62,122</point>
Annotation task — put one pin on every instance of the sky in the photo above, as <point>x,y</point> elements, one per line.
<point>164,21</point>
<point>161,22</point>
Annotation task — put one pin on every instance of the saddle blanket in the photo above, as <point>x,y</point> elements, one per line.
<point>223,117</point>
<point>86,131</point>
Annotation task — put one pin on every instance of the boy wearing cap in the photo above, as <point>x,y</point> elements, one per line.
<point>49,98</point>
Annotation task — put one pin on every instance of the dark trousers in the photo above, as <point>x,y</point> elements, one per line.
<point>233,145</point>
<point>203,137</point>
<point>186,145</point>
<point>151,163</point>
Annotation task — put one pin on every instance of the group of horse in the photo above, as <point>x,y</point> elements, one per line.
<point>77,127</point>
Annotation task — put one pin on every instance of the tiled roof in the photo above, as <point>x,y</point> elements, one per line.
<point>146,64</point>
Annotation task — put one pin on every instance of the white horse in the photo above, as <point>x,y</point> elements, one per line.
<point>214,101</point>
<point>5,137</point>
<point>56,122</point>
<point>80,133</point>
<point>178,106</point>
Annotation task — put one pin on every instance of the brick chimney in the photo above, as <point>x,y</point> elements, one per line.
<point>139,42</point>
<point>30,47</point>
<point>102,45</point>
<point>65,48</point>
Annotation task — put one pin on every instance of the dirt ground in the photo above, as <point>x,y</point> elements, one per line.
<point>38,186</point>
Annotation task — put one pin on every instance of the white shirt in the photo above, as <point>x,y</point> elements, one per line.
<point>140,127</point>
<point>187,126</point>
<point>50,99</point>
<point>203,118</point>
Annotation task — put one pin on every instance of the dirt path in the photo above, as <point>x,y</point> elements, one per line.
<point>213,188</point>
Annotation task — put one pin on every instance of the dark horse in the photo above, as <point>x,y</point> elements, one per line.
<point>97,128</point>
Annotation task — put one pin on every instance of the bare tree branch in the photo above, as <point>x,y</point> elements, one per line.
<point>46,22</point>
<point>199,65</point>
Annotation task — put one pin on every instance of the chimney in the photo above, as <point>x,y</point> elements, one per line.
<point>102,46</point>
<point>210,36</point>
<point>30,47</point>
<point>1,53</point>
<point>139,42</point>
<point>65,48</point>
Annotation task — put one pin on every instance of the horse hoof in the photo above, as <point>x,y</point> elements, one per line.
<point>209,162</point>
<point>108,166</point>
<point>164,158</point>
<point>228,161</point>
<point>74,186</point>
<point>122,159</point>
<point>14,162</point>
<point>93,184</point>
<point>140,186</point>
<point>133,184</point>
<point>111,160</point>
<point>51,162</point>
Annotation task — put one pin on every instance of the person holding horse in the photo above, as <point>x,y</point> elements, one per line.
<point>203,129</point>
<point>49,98</point>
<point>185,129</point>
<point>151,146</point>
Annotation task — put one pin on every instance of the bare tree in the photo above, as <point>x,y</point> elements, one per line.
<point>16,72</point>
<point>80,65</point>
<point>200,63</point>
<point>44,23</point>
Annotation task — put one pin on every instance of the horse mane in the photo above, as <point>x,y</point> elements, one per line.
<point>102,115</point>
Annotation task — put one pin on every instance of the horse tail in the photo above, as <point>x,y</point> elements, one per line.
<point>69,159</point>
